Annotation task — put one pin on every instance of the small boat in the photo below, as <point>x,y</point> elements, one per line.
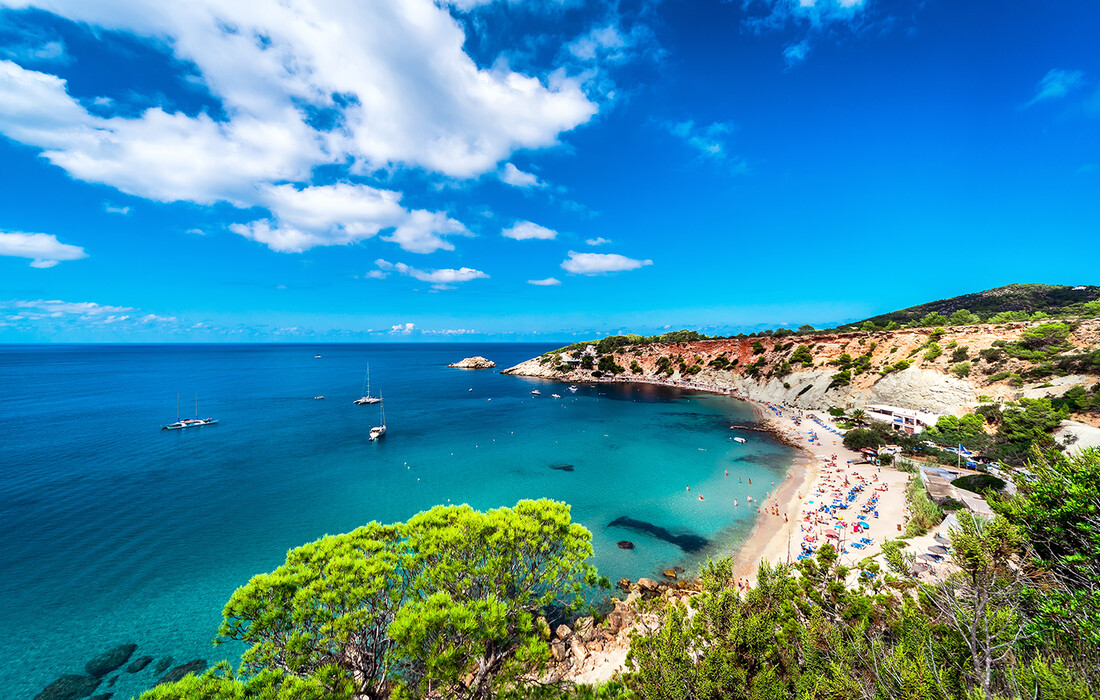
<point>317,357</point>
<point>318,398</point>
<point>536,392</point>
<point>195,422</point>
<point>573,389</point>
<point>555,396</point>
<point>379,430</point>
<point>739,439</point>
<point>366,398</point>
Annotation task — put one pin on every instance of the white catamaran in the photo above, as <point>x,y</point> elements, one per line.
<point>379,430</point>
<point>367,398</point>
<point>188,422</point>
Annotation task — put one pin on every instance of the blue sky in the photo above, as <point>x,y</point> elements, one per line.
<point>416,170</point>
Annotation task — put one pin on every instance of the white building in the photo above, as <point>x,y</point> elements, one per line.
<point>904,420</point>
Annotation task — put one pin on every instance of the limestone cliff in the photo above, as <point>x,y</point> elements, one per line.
<point>909,368</point>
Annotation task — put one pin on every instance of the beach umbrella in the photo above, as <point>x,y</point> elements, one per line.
<point>938,549</point>
<point>940,538</point>
<point>918,568</point>
<point>928,557</point>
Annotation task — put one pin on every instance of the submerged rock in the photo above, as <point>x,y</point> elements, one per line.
<point>163,664</point>
<point>102,696</point>
<point>562,467</point>
<point>197,666</point>
<point>110,660</point>
<point>475,362</point>
<point>624,584</point>
<point>141,662</point>
<point>625,544</point>
<point>70,687</point>
<point>687,542</point>
<point>669,574</point>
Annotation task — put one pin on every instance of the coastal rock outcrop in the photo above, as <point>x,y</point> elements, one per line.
<point>475,362</point>
<point>110,660</point>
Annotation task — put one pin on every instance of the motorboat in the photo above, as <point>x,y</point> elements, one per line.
<point>536,392</point>
<point>318,398</point>
<point>740,439</point>
<point>573,389</point>
<point>555,396</point>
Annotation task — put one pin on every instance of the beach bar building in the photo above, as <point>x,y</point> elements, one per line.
<point>905,420</point>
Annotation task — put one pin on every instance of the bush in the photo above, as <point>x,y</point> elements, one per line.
<point>934,351</point>
<point>924,514</point>
<point>802,355</point>
<point>757,347</point>
<point>962,369</point>
<point>979,483</point>
<point>960,354</point>
<point>859,438</point>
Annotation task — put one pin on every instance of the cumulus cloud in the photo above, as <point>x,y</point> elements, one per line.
<point>515,177</point>
<point>44,250</point>
<point>423,231</point>
<point>599,240</point>
<point>392,76</point>
<point>548,282</point>
<point>526,230</point>
<point>1056,84</point>
<point>600,263</point>
<point>403,328</point>
<point>440,279</point>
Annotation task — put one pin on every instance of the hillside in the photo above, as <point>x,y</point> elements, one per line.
<point>1013,302</point>
<point>945,370</point>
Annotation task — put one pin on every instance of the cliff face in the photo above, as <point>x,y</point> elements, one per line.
<point>841,369</point>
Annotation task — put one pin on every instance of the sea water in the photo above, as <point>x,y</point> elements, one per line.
<point>116,531</point>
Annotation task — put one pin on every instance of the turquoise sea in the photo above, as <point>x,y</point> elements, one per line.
<point>115,531</point>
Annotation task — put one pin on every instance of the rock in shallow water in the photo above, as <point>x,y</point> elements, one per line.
<point>163,664</point>
<point>69,687</point>
<point>562,467</point>
<point>626,544</point>
<point>110,660</point>
<point>141,662</point>
<point>197,666</point>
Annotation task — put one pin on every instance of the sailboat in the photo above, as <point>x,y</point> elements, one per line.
<point>367,398</point>
<point>188,422</point>
<point>379,430</point>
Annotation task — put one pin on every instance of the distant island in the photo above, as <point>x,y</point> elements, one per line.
<point>475,362</point>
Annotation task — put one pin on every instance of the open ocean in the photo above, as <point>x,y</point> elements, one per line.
<point>116,531</point>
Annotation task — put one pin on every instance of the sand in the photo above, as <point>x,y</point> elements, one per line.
<point>814,480</point>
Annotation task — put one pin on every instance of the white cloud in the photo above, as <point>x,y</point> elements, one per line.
<point>816,13</point>
<point>548,282</point>
<point>376,275</point>
<point>422,232</point>
<point>526,230</point>
<point>43,249</point>
<point>796,53</point>
<point>450,331</point>
<point>708,140</point>
<point>403,328</point>
<point>1056,84</point>
<point>600,263</point>
<point>38,309</point>
<point>391,75</point>
<point>599,240</point>
<point>515,177</point>
<point>440,279</point>
<point>112,209</point>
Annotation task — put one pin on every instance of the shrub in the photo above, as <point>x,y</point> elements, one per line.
<point>841,378</point>
<point>979,483</point>
<point>803,356</point>
<point>859,438</point>
<point>934,351</point>
<point>962,369</point>
<point>960,354</point>
<point>757,347</point>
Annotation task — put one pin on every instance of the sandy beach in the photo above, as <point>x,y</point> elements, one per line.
<point>802,513</point>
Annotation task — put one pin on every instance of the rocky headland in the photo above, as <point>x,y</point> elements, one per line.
<point>945,371</point>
